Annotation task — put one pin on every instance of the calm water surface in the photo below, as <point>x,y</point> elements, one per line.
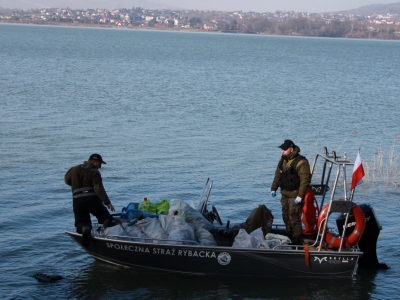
<point>167,110</point>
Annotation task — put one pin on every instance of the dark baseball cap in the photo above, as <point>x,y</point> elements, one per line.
<point>97,157</point>
<point>287,144</point>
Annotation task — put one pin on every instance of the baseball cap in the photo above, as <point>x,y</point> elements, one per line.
<point>286,144</point>
<point>97,157</point>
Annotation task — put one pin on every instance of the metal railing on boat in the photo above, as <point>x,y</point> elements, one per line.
<point>336,205</point>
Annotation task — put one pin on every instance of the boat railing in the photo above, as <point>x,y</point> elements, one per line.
<point>98,232</point>
<point>342,204</point>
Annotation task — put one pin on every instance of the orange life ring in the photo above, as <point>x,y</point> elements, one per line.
<point>310,214</point>
<point>354,237</point>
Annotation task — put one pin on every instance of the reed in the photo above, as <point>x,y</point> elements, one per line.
<point>382,168</point>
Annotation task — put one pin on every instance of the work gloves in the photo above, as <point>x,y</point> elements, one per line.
<point>298,201</point>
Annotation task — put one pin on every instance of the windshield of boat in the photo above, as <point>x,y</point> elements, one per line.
<point>205,194</point>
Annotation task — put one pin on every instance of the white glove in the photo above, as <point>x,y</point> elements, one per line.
<point>298,200</point>
<point>273,193</point>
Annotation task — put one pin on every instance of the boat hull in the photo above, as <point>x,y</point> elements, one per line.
<point>222,261</point>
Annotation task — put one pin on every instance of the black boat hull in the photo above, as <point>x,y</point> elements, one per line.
<point>223,261</point>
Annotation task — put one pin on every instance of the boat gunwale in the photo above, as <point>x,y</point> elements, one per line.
<point>299,248</point>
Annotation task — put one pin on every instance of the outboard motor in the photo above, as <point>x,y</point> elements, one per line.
<point>367,243</point>
<point>223,236</point>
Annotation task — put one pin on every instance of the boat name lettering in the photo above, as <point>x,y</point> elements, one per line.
<point>128,248</point>
<point>202,254</point>
<point>163,251</point>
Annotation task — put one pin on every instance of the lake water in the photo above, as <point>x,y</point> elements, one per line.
<point>167,110</point>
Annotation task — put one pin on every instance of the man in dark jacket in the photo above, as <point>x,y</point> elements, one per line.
<point>88,196</point>
<point>293,177</point>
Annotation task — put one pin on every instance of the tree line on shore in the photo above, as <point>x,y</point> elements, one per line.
<point>273,24</point>
<point>317,27</point>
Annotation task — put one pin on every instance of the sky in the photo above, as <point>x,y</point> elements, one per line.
<point>222,5</point>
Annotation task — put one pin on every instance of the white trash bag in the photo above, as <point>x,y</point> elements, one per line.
<point>283,238</point>
<point>245,240</point>
<point>179,230</point>
<point>191,215</point>
<point>114,230</point>
<point>134,231</point>
<point>204,237</point>
<point>166,222</point>
<point>152,228</point>
<point>274,240</point>
<point>258,236</point>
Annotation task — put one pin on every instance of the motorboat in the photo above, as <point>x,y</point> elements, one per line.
<point>323,251</point>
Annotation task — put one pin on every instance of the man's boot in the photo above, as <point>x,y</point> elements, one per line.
<point>296,241</point>
<point>86,234</point>
<point>111,222</point>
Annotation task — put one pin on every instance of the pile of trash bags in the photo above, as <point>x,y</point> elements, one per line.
<point>256,239</point>
<point>182,223</point>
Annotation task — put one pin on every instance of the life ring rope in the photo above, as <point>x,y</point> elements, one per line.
<point>349,241</point>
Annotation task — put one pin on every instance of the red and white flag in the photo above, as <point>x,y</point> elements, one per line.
<point>358,172</point>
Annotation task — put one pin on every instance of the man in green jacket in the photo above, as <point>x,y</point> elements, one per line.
<point>88,196</point>
<point>293,177</point>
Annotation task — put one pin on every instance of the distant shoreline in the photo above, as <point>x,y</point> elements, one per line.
<point>130,27</point>
<point>64,24</point>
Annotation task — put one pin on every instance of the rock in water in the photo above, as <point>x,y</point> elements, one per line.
<point>47,278</point>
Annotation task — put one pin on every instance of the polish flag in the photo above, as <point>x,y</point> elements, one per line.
<point>358,172</point>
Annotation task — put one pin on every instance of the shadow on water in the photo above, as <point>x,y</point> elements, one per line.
<point>102,281</point>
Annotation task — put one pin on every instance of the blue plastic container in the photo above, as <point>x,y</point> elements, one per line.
<point>136,213</point>
<point>132,205</point>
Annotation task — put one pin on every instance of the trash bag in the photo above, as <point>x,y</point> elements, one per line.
<point>258,237</point>
<point>181,232</point>
<point>152,228</point>
<point>274,240</point>
<point>191,215</point>
<point>271,244</point>
<point>283,238</point>
<point>245,240</point>
<point>166,222</point>
<point>162,207</point>
<point>134,231</point>
<point>204,237</point>
<point>146,205</point>
<point>114,230</point>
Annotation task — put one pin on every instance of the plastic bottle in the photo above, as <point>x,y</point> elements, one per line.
<point>145,204</point>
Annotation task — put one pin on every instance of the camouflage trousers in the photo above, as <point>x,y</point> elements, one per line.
<point>291,214</point>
